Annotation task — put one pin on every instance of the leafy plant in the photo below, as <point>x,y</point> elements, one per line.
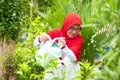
<point>26,66</point>
<point>11,18</point>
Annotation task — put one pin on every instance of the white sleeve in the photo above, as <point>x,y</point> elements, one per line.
<point>69,53</point>
<point>36,42</point>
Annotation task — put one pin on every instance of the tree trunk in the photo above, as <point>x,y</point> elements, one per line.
<point>6,58</point>
<point>1,61</point>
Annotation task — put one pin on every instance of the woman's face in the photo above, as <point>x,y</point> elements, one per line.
<point>73,31</point>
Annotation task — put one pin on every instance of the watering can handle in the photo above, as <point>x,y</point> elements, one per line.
<point>52,40</point>
<point>49,38</point>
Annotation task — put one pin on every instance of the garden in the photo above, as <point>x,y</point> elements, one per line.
<point>22,20</point>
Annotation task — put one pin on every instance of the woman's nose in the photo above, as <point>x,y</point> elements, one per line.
<point>74,31</point>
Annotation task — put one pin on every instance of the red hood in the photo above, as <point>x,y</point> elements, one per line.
<point>69,20</point>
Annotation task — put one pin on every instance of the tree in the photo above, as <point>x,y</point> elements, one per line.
<point>13,14</point>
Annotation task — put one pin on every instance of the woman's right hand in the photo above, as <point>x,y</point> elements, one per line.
<point>61,42</point>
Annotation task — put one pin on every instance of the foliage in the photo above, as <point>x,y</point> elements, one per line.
<point>26,66</point>
<point>86,71</point>
<point>103,21</point>
<point>106,36</point>
<point>11,19</point>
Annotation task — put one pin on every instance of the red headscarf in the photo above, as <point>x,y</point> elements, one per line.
<point>75,44</point>
<point>69,20</point>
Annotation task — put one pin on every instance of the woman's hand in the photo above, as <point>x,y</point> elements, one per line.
<point>61,42</point>
<point>43,37</point>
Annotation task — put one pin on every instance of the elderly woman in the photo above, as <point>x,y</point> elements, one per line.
<point>70,40</point>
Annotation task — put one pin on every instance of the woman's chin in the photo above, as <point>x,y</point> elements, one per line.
<point>71,36</point>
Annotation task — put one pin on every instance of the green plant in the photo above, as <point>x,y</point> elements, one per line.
<point>26,66</point>
<point>11,18</point>
<point>86,71</point>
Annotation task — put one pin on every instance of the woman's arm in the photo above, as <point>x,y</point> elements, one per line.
<point>69,53</point>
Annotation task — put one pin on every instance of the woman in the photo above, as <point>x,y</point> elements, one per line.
<point>70,40</point>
